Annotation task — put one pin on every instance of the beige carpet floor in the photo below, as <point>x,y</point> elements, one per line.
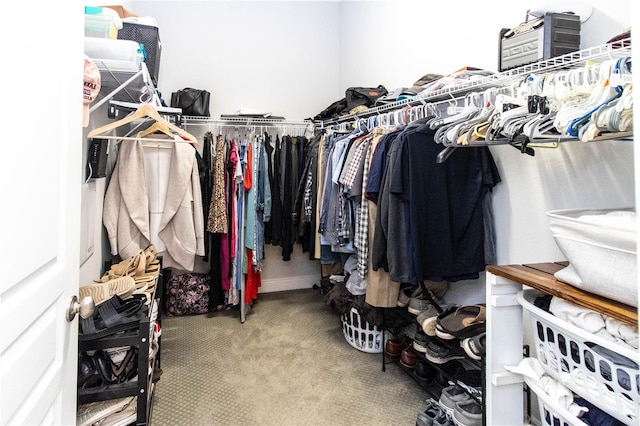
<point>287,364</point>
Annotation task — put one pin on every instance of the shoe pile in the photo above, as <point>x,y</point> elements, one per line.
<point>122,297</point>
<point>135,275</point>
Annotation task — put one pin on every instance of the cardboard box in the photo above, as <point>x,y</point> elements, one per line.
<point>122,12</point>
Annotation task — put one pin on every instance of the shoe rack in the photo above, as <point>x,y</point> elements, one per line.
<point>143,386</point>
<point>434,389</point>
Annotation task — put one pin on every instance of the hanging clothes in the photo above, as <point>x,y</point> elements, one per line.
<point>306,198</point>
<point>431,220</point>
<point>269,151</point>
<point>276,222</point>
<point>217,220</point>
<point>286,196</point>
<point>382,291</point>
<point>258,200</point>
<point>144,203</point>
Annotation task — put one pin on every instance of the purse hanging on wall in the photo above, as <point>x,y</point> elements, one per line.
<point>192,101</point>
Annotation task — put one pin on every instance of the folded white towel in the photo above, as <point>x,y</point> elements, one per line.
<point>594,391</point>
<point>625,332</point>
<point>584,318</point>
<point>532,368</point>
<point>611,338</point>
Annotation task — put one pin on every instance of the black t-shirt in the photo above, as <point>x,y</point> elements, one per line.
<point>445,205</point>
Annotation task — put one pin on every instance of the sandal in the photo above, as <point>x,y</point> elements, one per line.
<point>121,286</point>
<point>113,316</point>
<point>150,254</point>
<point>132,266</point>
<point>144,279</point>
<point>153,269</point>
<point>465,321</point>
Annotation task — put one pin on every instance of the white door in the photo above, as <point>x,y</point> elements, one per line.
<point>40,181</point>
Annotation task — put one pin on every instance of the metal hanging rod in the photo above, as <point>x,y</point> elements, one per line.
<point>243,121</point>
<point>617,49</point>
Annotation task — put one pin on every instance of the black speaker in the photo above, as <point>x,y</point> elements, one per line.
<point>97,158</point>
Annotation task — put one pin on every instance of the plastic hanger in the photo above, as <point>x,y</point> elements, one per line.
<point>143,111</point>
<point>457,114</point>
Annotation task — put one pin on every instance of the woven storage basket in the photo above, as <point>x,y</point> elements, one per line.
<point>602,372</point>
<point>360,334</point>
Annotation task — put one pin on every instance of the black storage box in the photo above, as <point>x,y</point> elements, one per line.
<point>149,36</point>
<point>551,35</point>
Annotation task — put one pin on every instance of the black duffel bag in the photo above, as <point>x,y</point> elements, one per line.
<point>363,97</point>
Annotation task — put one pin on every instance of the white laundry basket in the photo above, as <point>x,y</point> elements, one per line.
<point>567,354</point>
<point>551,412</point>
<point>360,334</point>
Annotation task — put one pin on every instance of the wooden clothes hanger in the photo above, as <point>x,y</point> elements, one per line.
<point>156,127</point>
<point>144,111</point>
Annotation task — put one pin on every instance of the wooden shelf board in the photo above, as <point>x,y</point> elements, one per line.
<point>540,276</point>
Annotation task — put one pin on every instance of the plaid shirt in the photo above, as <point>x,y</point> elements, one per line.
<point>362,232</point>
<point>354,163</point>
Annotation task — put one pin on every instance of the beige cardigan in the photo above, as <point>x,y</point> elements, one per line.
<point>126,207</point>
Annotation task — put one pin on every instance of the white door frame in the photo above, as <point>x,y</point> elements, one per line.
<point>40,180</point>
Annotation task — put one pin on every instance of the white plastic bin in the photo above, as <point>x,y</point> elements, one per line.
<point>570,355</point>
<point>360,334</point>
<point>600,246</point>
<point>551,412</point>
<point>113,50</point>
<point>101,22</point>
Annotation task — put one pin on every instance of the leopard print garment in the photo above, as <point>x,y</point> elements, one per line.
<point>217,221</point>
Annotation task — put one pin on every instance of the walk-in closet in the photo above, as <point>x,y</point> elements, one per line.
<point>325,212</point>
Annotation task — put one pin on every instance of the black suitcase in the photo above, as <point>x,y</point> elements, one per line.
<point>149,36</point>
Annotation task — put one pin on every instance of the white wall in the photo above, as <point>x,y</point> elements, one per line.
<point>278,57</point>
<point>395,42</point>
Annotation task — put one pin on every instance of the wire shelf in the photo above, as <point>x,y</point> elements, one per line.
<point>125,81</point>
<point>243,121</point>
<point>617,49</point>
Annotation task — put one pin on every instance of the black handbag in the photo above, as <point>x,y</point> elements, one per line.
<point>191,101</point>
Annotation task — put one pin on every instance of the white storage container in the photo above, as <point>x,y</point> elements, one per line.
<point>604,373</point>
<point>600,246</point>
<point>113,50</point>
<point>360,334</point>
<point>101,22</point>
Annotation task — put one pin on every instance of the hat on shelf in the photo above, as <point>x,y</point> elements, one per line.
<point>90,87</point>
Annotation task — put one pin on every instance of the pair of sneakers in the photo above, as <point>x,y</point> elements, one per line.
<point>414,300</point>
<point>432,415</point>
<point>460,406</point>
